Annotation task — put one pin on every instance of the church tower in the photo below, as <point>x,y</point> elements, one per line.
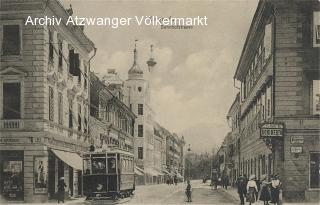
<point>138,99</point>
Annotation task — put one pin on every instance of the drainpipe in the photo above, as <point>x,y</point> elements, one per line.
<point>88,87</point>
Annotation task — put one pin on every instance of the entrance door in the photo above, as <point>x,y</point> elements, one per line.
<point>71,181</point>
<point>11,164</point>
<point>79,183</point>
<point>51,175</point>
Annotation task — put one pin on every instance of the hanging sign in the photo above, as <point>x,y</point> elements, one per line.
<point>271,130</point>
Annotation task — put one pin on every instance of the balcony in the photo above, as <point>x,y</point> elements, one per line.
<point>13,124</point>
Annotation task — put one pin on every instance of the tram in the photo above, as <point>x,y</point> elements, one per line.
<point>108,175</point>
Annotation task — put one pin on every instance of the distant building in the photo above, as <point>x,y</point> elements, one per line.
<point>44,102</point>
<point>233,143</point>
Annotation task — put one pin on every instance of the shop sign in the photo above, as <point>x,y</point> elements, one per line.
<point>296,149</point>
<point>271,130</point>
<point>10,140</point>
<point>297,139</point>
<point>40,174</point>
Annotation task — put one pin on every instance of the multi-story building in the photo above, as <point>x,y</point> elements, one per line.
<point>233,144</point>
<point>279,99</point>
<point>175,155</point>
<point>159,152</point>
<point>43,101</point>
<point>138,96</point>
<point>111,121</point>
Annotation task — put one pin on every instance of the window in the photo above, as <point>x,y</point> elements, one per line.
<point>140,109</point>
<point>51,104</point>
<point>70,114</point>
<point>85,77</point>
<point>79,117</point>
<point>11,40</point>
<point>74,63</point>
<point>314,170</point>
<point>60,108</point>
<point>140,130</point>
<point>315,97</point>
<point>11,101</point>
<point>139,89</point>
<point>140,152</point>
<point>60,63</point>
<point>50,46</point>
<point>85,129</point>
<point>131,107</point>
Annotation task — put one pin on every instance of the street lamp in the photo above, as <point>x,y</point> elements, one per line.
<point>189,150</point>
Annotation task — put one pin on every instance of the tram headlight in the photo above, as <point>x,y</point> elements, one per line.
<point>99,187</point>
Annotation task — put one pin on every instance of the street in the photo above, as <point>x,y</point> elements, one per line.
<point>171,194</point>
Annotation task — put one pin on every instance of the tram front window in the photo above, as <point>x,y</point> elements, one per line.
<point>98,165</point>
<point>111,165</point>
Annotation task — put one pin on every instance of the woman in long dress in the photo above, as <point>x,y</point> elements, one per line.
<point>265,193</point>
<point>252,189</point>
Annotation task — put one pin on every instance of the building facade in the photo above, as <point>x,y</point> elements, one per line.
<point>44,102</point>
<point>138,97</point>
<point>279,97</point>
<point>175,155</point>
<point>111,121</point>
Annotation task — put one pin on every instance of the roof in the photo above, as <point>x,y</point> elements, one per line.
<point>235,102</point>
<point>135,68</point>
<point>242,67</point>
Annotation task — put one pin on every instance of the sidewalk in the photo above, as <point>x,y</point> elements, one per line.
<point>51,201</point>
<point>234,193</point>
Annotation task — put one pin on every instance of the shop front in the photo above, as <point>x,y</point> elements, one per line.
<point>11,175</point>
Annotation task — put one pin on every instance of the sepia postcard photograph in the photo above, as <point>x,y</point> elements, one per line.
<point>160,102</point>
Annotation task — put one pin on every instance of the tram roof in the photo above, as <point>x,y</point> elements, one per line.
<point>110,152</point>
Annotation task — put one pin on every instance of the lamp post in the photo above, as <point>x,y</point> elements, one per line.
<point>189,150</point>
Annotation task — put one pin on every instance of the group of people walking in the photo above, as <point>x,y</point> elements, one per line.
<point>253,189</point>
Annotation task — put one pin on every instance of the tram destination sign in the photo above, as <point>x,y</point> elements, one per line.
<point>271,130</point>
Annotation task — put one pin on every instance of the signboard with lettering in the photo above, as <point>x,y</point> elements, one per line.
<point>297,139</point>
<point>296,149</point>
<point>271,130</point>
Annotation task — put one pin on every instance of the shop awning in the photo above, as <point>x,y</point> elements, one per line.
<point>70,158</point>
<point>151,172</point>
<point>166,172</point>
<point>138,171</point>
<point>158,173</point>
<point>179,176</point>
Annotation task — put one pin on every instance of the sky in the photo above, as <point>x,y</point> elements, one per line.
<point>192,83</point>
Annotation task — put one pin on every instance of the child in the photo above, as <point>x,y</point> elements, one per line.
<point>188,191</point>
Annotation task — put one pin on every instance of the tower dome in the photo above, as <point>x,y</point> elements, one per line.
<point>135,70</point>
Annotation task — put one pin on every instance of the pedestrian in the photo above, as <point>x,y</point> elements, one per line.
<point>175,179</point>
<point>265,192</point>
<point>251,189</point>
<point>189,191</point>
<point>242,188</point>
<point>61,189</point>
<point>225,181</point>
<point>258,185</point>
<point>275,189</point>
